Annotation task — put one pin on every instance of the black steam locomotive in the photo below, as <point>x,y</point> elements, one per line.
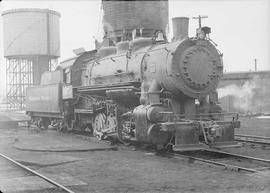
<point>146,89</point>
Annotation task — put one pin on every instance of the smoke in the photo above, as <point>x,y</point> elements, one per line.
<point>248,97</point>
<point>245,91</point>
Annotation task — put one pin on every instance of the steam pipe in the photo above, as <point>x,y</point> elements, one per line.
<point>151,95</point>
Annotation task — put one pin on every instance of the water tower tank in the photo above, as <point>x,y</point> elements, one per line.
<point>122,16</point>
<point>31,47</point>
<point>31,32</point>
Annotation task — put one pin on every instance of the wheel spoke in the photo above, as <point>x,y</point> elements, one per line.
<point>99,125</point>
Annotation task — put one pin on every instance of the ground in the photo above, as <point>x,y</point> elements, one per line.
<point>129,170</point>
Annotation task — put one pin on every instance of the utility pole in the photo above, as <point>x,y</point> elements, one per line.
<point>255,64</point>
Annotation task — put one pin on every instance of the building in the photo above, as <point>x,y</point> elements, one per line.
<point>245,92</point>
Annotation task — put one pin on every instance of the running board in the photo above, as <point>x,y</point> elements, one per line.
<point>189,147</point>
<point>227,144</point>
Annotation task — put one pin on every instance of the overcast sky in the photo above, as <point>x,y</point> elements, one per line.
<point>241,28</point>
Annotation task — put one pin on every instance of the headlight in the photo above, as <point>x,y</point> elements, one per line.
<point>200,34</point>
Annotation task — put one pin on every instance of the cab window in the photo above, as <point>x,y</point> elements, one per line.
<point>67,76</point>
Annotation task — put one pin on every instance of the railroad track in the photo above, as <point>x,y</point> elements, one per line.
<point>253,139</point>
<point>23,174</point>
<point>227,160</point>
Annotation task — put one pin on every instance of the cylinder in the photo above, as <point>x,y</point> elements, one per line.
<point>180,28</point>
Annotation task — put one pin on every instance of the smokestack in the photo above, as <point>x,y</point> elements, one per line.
<point>180,28</point>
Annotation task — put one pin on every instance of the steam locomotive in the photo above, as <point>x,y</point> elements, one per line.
<point>146,89</point>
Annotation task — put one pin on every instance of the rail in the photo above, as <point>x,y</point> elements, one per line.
<point>252,139</point>
<point>219,156</point>
<point>37,174</point>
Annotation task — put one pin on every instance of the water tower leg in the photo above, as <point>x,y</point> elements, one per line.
<point>18,78</point>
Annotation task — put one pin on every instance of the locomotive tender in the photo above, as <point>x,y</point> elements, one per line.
<point>144,89</point>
